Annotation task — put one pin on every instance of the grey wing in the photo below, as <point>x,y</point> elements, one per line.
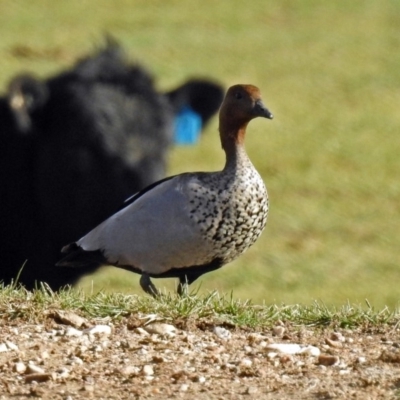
<point>154,234</point>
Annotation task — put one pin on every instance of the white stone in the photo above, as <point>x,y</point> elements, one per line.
<point>34,369</point>
<point>285,348</point>
<point>73,332</point>
<point>222,333</point>
<point>142,331</point>
<point>344,372</point>
<point>129,370</point>
<point>292,348</point>
<point>24,336</point>
<point>246,363</point>
<point>76,360</point>
<point>148,370</point>
<point>184,387</point>
<point>11,345</point>
<point>98,330</point>
<point>311,350</point>
<point>160,329</point>
<point>3,348</point>
<point>20,367</point>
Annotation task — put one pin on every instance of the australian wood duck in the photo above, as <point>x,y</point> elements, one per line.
<point>192,223</point>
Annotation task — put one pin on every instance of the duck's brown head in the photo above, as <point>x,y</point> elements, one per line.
<point>242,103</point>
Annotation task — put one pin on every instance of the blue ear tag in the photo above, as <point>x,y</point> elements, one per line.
<point>187,126</point>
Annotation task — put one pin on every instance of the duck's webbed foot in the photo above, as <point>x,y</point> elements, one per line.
<point>148,286</point>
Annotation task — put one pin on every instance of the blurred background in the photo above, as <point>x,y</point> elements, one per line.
<point>330,73</point>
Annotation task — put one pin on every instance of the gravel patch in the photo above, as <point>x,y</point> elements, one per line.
<point>67,357</point>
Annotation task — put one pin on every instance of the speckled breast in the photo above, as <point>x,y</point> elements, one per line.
<point>231,211</point>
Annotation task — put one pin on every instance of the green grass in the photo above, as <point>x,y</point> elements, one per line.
<point>329,71</point>
<point>17,303</point>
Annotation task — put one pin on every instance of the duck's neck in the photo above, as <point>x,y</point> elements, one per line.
<point>232,141</point>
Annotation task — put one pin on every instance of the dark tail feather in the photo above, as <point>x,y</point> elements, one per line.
<point>76,257</point>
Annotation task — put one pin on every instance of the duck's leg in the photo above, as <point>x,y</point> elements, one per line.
<point>184,282</point>
<point>148,286</point>
<point>182,287</point>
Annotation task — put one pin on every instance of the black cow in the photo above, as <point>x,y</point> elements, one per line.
<point>79,144</point>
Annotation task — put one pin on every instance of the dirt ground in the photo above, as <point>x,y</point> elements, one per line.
<point>63,356</point>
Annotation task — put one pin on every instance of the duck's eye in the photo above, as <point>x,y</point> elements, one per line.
<point>238,95</point>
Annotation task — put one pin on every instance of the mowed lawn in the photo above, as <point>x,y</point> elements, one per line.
<point>330,73</point>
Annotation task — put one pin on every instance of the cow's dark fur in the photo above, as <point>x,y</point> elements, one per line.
<point>73,148</point>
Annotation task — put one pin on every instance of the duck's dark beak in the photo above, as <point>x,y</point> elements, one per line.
<point>260,110</point>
